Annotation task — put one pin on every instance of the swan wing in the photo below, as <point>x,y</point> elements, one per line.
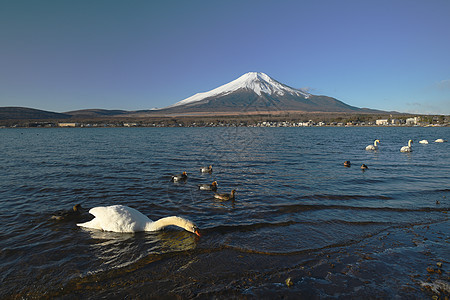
<point>117,218</point>
<point>405,149</point>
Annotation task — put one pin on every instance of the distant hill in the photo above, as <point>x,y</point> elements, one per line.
<point>22,113</point>
<point>95,113</point>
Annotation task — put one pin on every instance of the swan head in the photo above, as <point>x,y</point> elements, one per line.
<point>191,227</point>
<point>185,224</point>
<point>376,142</point>
<point>196,231</point>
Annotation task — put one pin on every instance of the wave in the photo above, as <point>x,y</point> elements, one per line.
<point>344,197</point>
<point>224,229</point>
<point>293,208</point>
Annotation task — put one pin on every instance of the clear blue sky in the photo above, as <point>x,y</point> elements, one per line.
<point>66,55</point>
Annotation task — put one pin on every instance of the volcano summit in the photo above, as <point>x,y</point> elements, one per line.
<point>256,92</point>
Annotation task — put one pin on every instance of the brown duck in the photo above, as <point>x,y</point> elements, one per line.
<point>225,197</point>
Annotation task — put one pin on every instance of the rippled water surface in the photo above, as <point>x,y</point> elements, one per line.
<point>299,213</point>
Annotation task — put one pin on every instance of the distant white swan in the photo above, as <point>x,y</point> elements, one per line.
<point>121,218</point>
<point>407,148</point>
<point>440,141</point>
<point>423,142</point>
<point>374,146</point>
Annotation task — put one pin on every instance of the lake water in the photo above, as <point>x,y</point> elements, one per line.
<point>336,232</point>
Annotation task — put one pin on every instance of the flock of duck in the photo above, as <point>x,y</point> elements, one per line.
<point>408,148</point>
<point>207,187</point>
<point>124,219</point>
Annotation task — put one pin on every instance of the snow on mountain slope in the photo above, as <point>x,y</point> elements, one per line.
<point>255,81</point>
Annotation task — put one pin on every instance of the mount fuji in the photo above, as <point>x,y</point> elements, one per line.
<point>256,92</point>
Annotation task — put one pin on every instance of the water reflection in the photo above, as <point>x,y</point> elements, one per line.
<point>115,250</point>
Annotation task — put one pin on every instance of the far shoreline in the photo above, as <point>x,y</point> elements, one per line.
<point>262,120</point>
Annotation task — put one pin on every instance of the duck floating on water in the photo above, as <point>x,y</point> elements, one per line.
<point>208,187</point>
<point>124,219</point>
<point>347,164</point>
<point>364,167</point>
<point>180,177</point>
<point>225,197</point>
<point>67,215</point>
<point>206,169</point>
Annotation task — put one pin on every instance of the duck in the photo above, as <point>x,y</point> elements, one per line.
<point>225,197</point>
<point>179,177</point>
<point>208,187</point>
<point>407,148</point>
<point>124,219</point>
<point>364,167</point>
<point>374,146</point>
<point>440,141</point>
<point>423,142</point>
<point>347,163</point>
<point>206,169</point>
<point>66,215</point>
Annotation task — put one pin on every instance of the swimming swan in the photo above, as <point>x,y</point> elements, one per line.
<point>121,218</point>
<point>407,148</point>
<point>374,146</point>
<point>440,141</point>
<point>423,142</point>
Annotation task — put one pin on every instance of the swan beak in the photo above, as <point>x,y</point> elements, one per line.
<point>197,233</point>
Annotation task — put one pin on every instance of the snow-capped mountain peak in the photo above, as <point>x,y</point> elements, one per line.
<point>257,82</point>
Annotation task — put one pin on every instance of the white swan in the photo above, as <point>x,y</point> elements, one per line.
<point>407,148</point>
<point>423,142</point>
<point>440,141</point>
<point>374,146</point>
<point>121,218</point>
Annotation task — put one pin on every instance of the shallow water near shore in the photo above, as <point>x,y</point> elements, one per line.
<point>336,232</point>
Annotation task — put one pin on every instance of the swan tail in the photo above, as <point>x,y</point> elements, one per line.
<point>94,224</point>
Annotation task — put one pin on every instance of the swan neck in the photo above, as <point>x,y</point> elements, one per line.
<point>167,221</point>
